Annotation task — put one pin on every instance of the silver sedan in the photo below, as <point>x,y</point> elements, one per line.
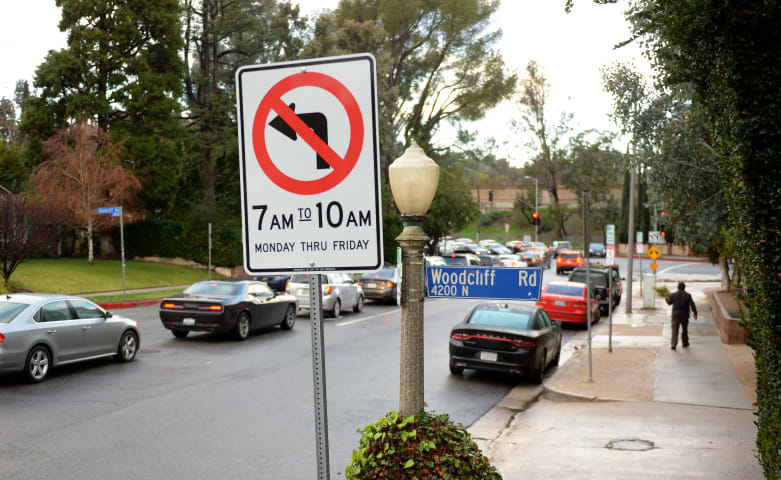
<point>40,331</point>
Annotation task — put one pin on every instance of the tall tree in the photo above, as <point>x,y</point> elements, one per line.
<point>121,70</point>
<point>731,58</point>
<point>549,163</point>
<point>222,35</point>
<point>435,63</point>
<point>23,232</point>
<point>81,174</point>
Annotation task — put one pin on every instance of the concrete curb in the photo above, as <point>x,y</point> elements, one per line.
<point>129,304</point>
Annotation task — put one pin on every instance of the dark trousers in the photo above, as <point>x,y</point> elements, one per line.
<point>683,321</point>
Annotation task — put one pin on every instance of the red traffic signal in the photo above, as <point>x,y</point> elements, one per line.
<point>664,234</point>
<point>663,213</point>
<point>536,219</point>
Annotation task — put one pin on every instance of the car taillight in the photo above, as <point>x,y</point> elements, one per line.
<point>210,308</point>
<point>2,338</point>
<point>287,288</point>
<point>172,305</point>
<point>389,284</point>
<point>327,290</point>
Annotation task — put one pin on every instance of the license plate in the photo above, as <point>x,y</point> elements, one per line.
<point>372,285</point>
<point>188,321</point>
<point>488,356</point>
<point>559,303</point>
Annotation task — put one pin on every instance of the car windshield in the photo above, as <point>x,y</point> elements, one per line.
<point>455,260</point>
<point>569,290</point>
<point>569,255</point>
<point>9,310</point>
<point>212,288</point>
<point>596,245</point>
<point>597,278</point>
<point>501,318</point>
<point>564,245</point>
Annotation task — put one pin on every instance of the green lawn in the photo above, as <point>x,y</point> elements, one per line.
<point>76,275</point>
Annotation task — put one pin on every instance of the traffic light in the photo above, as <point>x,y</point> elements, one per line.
<point>536,219</point>
<point>663,213</point>
<point>490,195</point>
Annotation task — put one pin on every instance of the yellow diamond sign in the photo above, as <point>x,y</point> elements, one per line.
<point>654,266</point>
<point>654,253</point>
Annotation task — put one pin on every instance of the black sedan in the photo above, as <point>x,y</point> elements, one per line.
<point>513,338</point>
<point>227,307</point>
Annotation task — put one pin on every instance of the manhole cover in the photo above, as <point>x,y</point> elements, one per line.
<point>632,445</point>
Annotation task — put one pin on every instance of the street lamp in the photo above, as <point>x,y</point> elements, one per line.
<point>413,181</point>
<point>535,203</point>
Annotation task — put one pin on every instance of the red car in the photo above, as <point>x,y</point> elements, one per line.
<point>566,302</point>
<point>569,260</point>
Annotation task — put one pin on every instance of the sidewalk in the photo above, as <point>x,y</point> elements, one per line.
<point>685,413</point>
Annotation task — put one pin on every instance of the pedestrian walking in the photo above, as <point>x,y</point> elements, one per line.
<point>681,302</point>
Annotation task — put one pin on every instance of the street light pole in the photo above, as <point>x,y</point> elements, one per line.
<point>413,180</point>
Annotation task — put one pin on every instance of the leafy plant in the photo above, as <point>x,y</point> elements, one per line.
<point>423,446</point>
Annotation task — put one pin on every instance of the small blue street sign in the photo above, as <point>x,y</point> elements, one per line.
<point>510,283</point>
<point>114,211</point>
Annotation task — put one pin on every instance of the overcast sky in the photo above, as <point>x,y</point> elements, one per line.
<point>571,48</point>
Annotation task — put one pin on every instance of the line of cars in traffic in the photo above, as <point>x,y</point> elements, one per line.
<point>40,331</point>
<point>520,338</point>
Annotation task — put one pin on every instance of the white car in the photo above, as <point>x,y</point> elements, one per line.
<point>340,291</point>
<point>511,260</point>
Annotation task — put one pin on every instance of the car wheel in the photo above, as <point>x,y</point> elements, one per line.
<point>539,375</point>
<point>358,305</point>
<point>290,318</point>
<point>128,347</point>
<point>178,333</point>
<point>36,368</point>
<point>337,309</point>
<point>456,370</point>
<point>241,330</point>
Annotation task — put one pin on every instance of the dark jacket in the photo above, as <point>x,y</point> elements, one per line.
<point>681,302</point>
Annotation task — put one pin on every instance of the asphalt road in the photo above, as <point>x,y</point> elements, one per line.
<point>208,407</point>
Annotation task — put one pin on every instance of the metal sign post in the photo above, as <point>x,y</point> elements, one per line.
<point>117,212</point>
<point>611,260</point>
<point>210,250</point>
<point>122,248</point>
<point>318,374</point>
<point>588,278</point>
<point>309,162</point>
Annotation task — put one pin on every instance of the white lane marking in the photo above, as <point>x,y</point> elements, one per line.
<point>395,310</point>
<point>672,268</point>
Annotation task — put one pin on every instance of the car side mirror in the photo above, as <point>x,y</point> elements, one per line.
<point>108,315</point>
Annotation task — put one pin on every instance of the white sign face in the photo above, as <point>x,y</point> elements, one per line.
<point>655,238</point>
<point>610,255</point>
<point>611,234</point>
<point>310,171</point>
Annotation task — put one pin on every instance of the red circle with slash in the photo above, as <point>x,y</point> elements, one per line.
<point>341,166</point>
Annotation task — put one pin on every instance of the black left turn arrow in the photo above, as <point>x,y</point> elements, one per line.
<point>316,121</point>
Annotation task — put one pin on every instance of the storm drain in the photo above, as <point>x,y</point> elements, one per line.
<point>632,445</point>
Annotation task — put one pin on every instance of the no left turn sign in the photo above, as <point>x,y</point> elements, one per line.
<point>309,165</point>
